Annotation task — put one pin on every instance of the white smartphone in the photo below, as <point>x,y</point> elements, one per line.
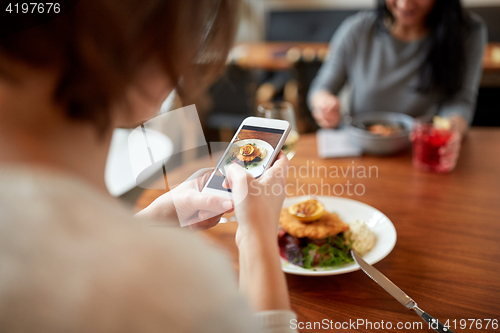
<point>255,146</point>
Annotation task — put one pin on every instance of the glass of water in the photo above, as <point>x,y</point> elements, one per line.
<point>283,111</point>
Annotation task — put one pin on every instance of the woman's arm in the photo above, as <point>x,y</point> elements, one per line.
<point>332,76</point>
<point>261,277</point>
<point>258,209</point>
<point>325,106</point>
<point>460,109</point>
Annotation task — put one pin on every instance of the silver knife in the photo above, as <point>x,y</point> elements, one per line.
<point>398,294</point>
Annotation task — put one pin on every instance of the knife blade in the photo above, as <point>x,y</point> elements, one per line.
<point>397,293</point>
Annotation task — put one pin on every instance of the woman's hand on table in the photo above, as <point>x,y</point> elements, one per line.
<point>185,204</point>
<point>450,152</point>
<point>326,109</point>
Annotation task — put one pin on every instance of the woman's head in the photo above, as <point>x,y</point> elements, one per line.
<point>443,68</point>
<point>108,52</point>
<point>410,12</point>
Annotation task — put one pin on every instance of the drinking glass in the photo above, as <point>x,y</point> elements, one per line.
<point>283,111</point>
<point>427,141</point>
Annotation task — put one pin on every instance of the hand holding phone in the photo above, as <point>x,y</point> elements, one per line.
<point>187,206</point>
<point>255,146</point>
<point>259,208</point>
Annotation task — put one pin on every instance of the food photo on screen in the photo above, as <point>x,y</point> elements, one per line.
<point>252,149</point>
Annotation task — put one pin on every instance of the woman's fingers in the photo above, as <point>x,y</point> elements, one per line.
<point>278,170</point>
<point>322,121</point>
<point>201,223</point>
<point>449,153</point>
<point>200,173</point>
<point>209,202</point>
<point>199,178</point>
<point>194,207</point>
<point>237,176</point>
<point>332,115</point>
<point>452,146</point>
<point>318,116</point>
<point>327,114</point>
<point>239,181</point>
<point>281,161</point>
<point>225,184</point>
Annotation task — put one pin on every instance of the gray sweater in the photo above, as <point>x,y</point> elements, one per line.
<point>383,71</point>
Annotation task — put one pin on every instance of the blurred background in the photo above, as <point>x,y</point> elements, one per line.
<point>281,45</point>
<point>279,48</point>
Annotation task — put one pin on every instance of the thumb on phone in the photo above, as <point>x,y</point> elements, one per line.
<point>238,181</point>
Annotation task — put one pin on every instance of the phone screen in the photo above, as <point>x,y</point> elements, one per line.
<point>252,149</point>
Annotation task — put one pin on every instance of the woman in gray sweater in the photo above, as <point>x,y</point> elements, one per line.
<point>412,56</point>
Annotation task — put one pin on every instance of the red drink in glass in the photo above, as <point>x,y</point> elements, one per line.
<point>427,140</point>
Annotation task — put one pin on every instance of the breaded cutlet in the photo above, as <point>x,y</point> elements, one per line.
<point>329,224</point>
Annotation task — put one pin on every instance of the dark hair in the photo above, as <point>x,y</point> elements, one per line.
<point>443,68</point>
<point>101,45</point>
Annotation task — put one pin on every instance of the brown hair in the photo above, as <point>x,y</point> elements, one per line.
<point>101,45</point>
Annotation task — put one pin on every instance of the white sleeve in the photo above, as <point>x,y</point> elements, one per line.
<point>203,293</point>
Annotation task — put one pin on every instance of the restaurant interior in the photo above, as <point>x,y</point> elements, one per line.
<point>446,253</point>
<point>279,48</point>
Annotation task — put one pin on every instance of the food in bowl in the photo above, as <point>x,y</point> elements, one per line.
<point>384,130</point>
<point>323,242</point>
<point>391,137</point>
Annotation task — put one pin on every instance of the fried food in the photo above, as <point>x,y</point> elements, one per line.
<point>307,211</point>
<point>247,150</point>
<point>329,224</point>
<point>248,153</point>
<point>384,130</point>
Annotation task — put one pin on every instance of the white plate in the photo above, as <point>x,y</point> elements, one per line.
<point>255,171</point>
<point>349,211</point>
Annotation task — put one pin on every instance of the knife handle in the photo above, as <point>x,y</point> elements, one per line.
<point>431,320</point>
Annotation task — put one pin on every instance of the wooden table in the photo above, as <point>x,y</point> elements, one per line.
<point>275,56</point>
<point>271,56</point>
<point>447,255</point>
